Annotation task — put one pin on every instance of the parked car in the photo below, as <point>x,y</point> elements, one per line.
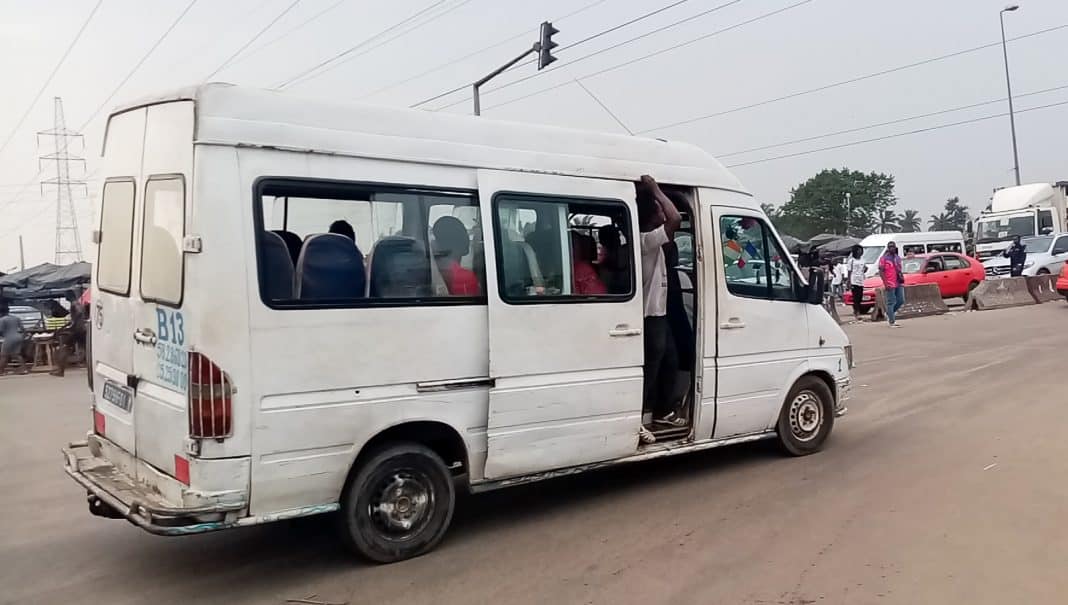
<point>955,275</point>
<point>1062,281</point>
<point>1045,255</point>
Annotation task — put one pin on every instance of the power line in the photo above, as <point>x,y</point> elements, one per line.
<point>894,136</point>
<point>593,54</point>
<point>850,80</point>
<point>52,75</point>
<point>604,107</point>
<point>440,66</point>
<point>890,122</point>
<point>631,62</point>
<point>309,74</point>
<point>140,62</point>
<point>290,31</point>
<point>252,39</point>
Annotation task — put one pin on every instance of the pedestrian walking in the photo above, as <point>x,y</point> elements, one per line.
<point>856,269</point>
<point>11,332</point>
<point>1017,255</point>
<point>836,280</point>
<point>893,282</point>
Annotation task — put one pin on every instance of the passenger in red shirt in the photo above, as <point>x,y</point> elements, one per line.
<point>451,243</point>
<point>583,273</point>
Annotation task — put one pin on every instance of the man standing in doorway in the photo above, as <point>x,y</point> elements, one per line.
<point>658,220</point>
<point>855,269</point>
<point>1017,255</point>
<point>893,282</point>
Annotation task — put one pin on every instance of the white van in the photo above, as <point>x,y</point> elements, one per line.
<point>484,330</point>
<point>919,242</point>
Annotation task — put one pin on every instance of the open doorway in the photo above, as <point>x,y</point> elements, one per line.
<point>676,385</point>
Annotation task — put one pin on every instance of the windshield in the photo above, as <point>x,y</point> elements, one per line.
<point>1005,228</point>
<point>872,254</point>
<point>911,265</point>
<point>1037,244</point>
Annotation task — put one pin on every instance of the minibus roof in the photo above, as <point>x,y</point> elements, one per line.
<point>233,115</point>
<point>881,239</point>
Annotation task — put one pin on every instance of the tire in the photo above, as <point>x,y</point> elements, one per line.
<point>1042,272</point>
<point>807,417</point>
<point>398,475</point>
<point>971,287</point>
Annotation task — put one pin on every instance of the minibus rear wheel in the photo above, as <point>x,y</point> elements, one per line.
<point>807,417</point>
<point>399,503</point>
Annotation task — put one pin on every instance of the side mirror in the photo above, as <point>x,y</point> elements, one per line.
<point>816,286</point>
<point>1046,230</point>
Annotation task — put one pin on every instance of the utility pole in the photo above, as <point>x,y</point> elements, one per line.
<point>1008,85</point>
<point>68,239</point>
<point>543,47</point>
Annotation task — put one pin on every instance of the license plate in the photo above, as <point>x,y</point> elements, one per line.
<point>118,395</point>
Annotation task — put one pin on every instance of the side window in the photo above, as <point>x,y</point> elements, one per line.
<point>913,248</point>
<point>340,244</point>
<point>1061,247</point>
<point>954,263</point>
<point>162,261</point>
<point>116,237</point>
<point>1045,221</point>
<point>754,265</point>
<point>934,265</point>
<point>553,249</point>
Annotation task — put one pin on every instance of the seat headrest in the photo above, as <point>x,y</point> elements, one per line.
<point>293,243</point>
<point>330,267</point>
<point>277,268</point>
<point>399,269</point>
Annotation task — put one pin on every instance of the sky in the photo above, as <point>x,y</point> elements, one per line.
<point>734,61</point>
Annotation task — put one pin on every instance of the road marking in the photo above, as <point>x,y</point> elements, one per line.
<point>990,466</point>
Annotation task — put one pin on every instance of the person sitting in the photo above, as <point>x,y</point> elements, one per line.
<point>451,243</point>
<point>613,267</point>
<point>583,274</point>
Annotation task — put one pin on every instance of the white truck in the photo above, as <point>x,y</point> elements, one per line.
<point>1024,210</point>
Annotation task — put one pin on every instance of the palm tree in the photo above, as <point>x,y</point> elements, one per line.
<point>888,222</point>
<point>909,221</point>
<point>941,222</point>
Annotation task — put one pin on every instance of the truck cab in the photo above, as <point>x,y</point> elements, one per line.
<point>1026,211</point>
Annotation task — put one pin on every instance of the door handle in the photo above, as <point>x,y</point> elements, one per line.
<point>623,330</point>
<point>145,336</point>
<point>732,324</point>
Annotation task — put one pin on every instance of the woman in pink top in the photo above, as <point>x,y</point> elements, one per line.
<point>893,282</point>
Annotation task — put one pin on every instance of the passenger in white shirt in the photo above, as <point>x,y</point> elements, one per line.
<point>658,219</point>
<point>856,269</point>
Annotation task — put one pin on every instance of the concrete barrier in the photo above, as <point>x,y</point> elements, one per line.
<point>920,301</point>
<point>999,294</point>
<point>1043,288</point>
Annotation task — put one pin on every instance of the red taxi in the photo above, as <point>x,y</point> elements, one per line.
<point>954,274</point>
<point>1062,281</point>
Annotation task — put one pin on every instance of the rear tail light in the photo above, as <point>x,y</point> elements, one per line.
<point>99,422</point>
<point>210,399</point>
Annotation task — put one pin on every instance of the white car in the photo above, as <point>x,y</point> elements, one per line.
<point>1046,254</point>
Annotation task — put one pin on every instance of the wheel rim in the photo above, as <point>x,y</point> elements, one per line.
<point>401,504</point>
<point>806,416</point>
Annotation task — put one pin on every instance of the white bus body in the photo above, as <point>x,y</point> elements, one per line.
<point>920,242</point>
<point>238,380</point>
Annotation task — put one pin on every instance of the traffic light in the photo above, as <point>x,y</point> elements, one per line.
<point>546,45</point>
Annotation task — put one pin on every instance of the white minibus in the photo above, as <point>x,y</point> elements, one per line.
<point>303,307</point>
<point>919,242</point>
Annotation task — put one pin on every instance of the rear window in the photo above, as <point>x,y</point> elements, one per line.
<point>116,237</point>
<point>162,262</point>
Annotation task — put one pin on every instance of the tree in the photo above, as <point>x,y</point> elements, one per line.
<point>957,215</point>
<point>909,221</point>
<point>769,209</point>
<point>888,222</point>
<point>940,222</point>
<point>819,204</point>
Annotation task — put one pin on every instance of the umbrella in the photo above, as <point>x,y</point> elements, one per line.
<point>792,243</point>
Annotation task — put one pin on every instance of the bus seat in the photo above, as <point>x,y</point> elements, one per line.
<point>278,269</point>
<point>399,268</point>
<point>293,243</point>
<point>330,267</point>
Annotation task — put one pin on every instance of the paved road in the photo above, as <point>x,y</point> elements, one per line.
<point>945,484</point>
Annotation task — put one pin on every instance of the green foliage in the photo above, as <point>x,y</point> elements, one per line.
<point>909,221</point>
<point>819,204</point>
<point>888,222</point>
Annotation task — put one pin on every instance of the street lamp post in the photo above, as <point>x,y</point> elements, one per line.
<point>1008,85</point>
<point>849,212</point>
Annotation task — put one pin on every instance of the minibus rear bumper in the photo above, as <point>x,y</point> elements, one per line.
<point>113,492</point>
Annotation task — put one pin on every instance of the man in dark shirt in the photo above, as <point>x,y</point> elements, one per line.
<point>1017,255</point>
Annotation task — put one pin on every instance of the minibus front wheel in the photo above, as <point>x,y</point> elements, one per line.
<point>399,503</point>
<point>807,417</point>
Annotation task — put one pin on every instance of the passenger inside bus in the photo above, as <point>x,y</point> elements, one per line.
<point>612,266</point>
<point>583,273</point>
<point>451,243</point>
<point>545,241</point>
